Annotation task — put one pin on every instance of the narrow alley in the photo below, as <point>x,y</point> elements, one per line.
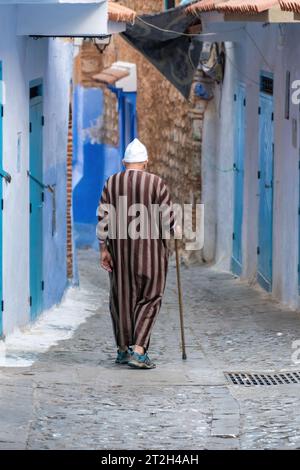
<point>73,396</point>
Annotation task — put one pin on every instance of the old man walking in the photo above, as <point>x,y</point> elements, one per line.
<point>133,249</point>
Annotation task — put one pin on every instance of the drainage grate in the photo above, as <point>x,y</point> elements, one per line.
<point>249,379</point>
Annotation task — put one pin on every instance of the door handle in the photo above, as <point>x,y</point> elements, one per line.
<point>5,175</point>
<point>40,183</point>
<point>268,186</point>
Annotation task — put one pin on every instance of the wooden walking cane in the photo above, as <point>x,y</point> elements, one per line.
<point>180,301</point>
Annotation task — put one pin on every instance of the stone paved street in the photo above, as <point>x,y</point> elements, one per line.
<point>74,397</point>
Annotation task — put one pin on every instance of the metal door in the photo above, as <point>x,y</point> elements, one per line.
<point>265,178</point>
<point>238,167</point>
<point>36,201</point>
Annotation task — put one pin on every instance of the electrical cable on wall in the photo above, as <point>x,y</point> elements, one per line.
<point>208,35</point>
<point>221,170</point>
<point>258,49</point>
<point>183,34</point>
<point>241,72</point>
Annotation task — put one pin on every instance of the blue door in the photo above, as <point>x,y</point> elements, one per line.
<point>265,178</point>
<point>128,127</point>
<point>129,116</point>
<point>36,200</point>
<point>1,118</point>
<point>238,167</point>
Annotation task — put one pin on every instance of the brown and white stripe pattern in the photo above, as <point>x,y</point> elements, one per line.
<point>137,281</point>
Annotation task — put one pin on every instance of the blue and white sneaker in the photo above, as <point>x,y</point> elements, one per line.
<point>124,356</point>
<point>141,361</point>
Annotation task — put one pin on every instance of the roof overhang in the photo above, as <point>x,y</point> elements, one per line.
<point>42,2</point>
<point>120,74</point>
<point>260,11</point>
<point>110,75</point>
<point>273,15</point>
<point>66,18</point>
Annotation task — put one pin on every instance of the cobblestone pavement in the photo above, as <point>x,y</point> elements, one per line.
<point>74,396</point>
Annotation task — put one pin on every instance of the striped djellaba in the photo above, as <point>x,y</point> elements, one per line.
<point>138,277</point>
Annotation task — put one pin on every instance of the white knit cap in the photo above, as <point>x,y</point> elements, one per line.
<point>135,152</point>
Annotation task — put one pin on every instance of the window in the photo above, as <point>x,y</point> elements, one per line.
<point>36,91</point>
<point>169,4</point>
<point>266,84</point>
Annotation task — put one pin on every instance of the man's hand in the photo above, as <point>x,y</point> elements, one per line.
<point>178,232</point>
<point>105,259</point>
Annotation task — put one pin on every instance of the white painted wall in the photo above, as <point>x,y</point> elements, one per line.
<point>15,195</point>
<point>24,59</point>
<point>57,76</point>
<point>276,49</point>
<point>224,160</point>
<point>63,19</point>
<point>209,179</point>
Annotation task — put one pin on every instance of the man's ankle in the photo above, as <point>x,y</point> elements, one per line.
<point>139,350</point>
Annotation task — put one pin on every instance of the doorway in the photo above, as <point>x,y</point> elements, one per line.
<point>265,178</point>
<point>36,191</point>
<point>238,167</point>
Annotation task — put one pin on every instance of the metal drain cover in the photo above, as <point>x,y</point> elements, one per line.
<point>248,379</point>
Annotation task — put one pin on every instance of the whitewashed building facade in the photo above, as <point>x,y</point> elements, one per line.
<point>251,146</point>
<point>35,74</point>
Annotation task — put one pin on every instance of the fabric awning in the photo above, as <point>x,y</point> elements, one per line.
<point>110,75</point>
<point>159,38</point>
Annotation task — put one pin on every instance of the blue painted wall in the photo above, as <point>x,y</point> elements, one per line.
<point>94,162</point>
